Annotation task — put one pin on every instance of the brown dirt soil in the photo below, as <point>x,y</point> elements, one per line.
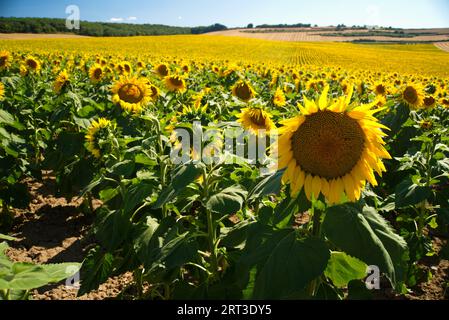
<point>318,34</point>
<point>442,45</point>
<point>30,36</point>
<point>55,230</point>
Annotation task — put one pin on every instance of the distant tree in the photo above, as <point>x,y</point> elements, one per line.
<point>250,26</point>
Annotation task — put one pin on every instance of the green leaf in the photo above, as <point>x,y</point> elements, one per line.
<point>6,117</point>
<point>96,269</point>
<point>409,194</point>
<point>185,174</point>
<point>124,168</point>
<point>347,228</point>
<point>290,267</point>
<point>268,185</point>
<point>60,271</point>
<point>142,158</point>
<point>228,201</point>
<point>182,177</point>
<point>112,228</point>
<point>8,238</point>
<point>135,195</point>
<point>393,243</point>
<point>342,268</point>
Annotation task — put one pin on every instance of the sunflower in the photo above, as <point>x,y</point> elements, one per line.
<point>124,68</point>
<point>96,73</point>
<point>61,80</point>
<point>332,148</point>
<point>279,98</point>
<point>162,70</point>
<point>32,64</point>
<point>4,59</point>
<point>131,93</point>
<point>154,92</point>
<point>175,83</point>
<point>96,132</point>
<point>413,96</point>
<point>255,119</point>
<point>243,90</point>
<point>380,89</point>
<point>2,91</point>
<point>429,102</point>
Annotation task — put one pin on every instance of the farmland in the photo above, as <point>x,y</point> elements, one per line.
<point>89,138</point>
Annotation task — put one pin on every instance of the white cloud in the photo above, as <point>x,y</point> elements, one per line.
<point>131,18</point>
<point>116,19</point>
<point>179,18</point>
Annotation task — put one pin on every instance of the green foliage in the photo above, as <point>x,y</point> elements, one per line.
<point>18,278</point>
<point>97,29</point>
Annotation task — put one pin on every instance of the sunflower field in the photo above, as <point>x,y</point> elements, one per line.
<point>362,177</point>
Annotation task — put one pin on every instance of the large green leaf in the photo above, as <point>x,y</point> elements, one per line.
<point>290,267</point>
<point>96,269</point>
<point>393,243</point>
<point>409,194</point>
<point>112,228</point>
<point>269,185</point>
<point>347,228</point>
<point>135,195</point>
<point>342,269</point>
<point>228,201</point>
<point>182,177</point>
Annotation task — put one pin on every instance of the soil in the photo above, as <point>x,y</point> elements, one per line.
<point>320,34</point>
<point>54,230</point>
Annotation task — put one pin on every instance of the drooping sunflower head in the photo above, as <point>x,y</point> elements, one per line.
<point>5,59</point>
<point>162,70</point>
<point>279,98</point>
<point>255,119</point>
<point>32,64</point>
<point>154,92</point>
<point>98,137</point>
<point>413,96</point>
<point>429,102</point>
<point>243,90</point>
<point>331,148</point>
<point>61,81</point>
<point>131,93</point>
<point>175,83</point>
<point>96,73</point>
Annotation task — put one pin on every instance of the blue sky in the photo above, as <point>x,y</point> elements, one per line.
<point>396,13</point>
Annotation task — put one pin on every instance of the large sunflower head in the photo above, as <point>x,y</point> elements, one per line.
<point>98,137</point>
<point>175,83</point>
<point>279,98</point>
<point>96,73</point>
<point>131,93</point>
<point>255,119</point>
<point>61,81</point>
<point>413,96</point>
<point>332,148</point>
<point>5,59</point>
<point>243,90</point>
<point>162,70</point>
<point>32,64</point>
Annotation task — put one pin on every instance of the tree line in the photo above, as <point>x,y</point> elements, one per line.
<point>97,29</point>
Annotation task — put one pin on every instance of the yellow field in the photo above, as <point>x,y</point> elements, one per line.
<point>422,59</point>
